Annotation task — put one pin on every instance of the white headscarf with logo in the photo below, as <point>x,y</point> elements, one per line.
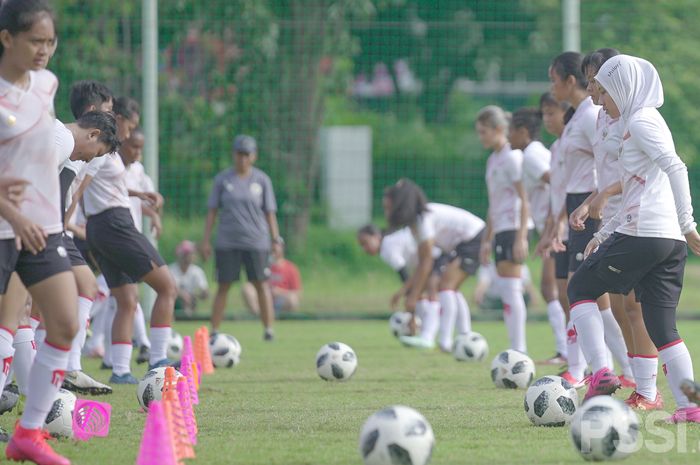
<point>633,83</point>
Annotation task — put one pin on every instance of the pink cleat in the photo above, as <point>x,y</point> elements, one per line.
<point>639,402</point>
<point>685,415</point>
<point>603,382</point>
<point>30,444</point>
<point>627,383</point>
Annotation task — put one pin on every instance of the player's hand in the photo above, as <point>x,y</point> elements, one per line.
<point>543,247</point>
<point>395,299</point>
<point>595,209</point>
<point>28,235</point>
<point>520,250</point>
<point>558,245</point>
<point>578,217</point>
<point>156,226</point>
<point>13,189</point>
<point>485,253</point>
<point>410,306</point>
<point>592,247</point>
<point>150,197</point>
<point>205,250</point>
<point>693,239</point>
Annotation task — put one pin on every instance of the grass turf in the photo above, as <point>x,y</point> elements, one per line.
<point>274,409</point>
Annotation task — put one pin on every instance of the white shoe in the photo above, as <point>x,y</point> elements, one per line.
<point>82,383</point>
<point>417,342</point>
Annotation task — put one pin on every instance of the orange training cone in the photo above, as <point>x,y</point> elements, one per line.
<point>180,437</point>
<point>202,353</point>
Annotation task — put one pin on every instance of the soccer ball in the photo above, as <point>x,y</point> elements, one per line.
<point>604,428</point>
<point>59,421</point>
<point>399,323</point>
<point>551,401</point>
<point>512,370</point>
<point>150,387</point>
<point>470,347</point>
<point>396,435</point>
<point>175,346</point>
<point>336,361</point>
<point>225,350</point>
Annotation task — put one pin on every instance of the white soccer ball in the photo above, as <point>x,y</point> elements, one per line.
<point>225,350</point>
<point>471,347</point>
<point>398,323</point>
<point>59,421</point>
<point>396,435</point>
<point>150,387</point>
<point>604,428</point>
<point>336,361</point>
<point>175,346</point>
<point>512,370</point>
<point>551,401</point>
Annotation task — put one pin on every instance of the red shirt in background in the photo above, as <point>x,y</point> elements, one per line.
<point>285,275</point>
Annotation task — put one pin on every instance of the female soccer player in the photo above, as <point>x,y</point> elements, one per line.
<point>644,246</point>
<point>245,200</point>
<point>453,230</point>
<point>28,151</point>
<point>507,222</point>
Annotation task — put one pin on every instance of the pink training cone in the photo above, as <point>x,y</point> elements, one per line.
<point>183,392</point>
<point>187,348</point>
<point>157,446</point>
<point>186,368</point>
<point>91,418</point>
<point>180,436</point>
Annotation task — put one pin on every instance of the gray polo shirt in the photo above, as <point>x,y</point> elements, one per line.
<point>242,204</point>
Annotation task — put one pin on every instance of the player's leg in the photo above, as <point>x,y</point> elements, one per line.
<point>228,270</point>
<point>11,310</point>
<point>141,336</point>
<point>618,337</point>
<point>510,285</point>
<point>161,280</point>
<point>126,296</point>
<point>450,280</point>
<point>257,271</point>
<point>555,312</point>
<point>250,298</point>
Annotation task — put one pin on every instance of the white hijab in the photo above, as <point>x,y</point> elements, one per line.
<point>633,84</point>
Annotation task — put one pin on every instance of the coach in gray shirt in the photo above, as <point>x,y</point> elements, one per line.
<point>245,202</point>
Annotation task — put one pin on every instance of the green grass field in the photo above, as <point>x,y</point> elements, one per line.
<point>274,409</point>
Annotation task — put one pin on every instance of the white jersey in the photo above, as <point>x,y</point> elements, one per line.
<point>400,251</point>
<point>557,183</point>
<point>137,180</point>
<point>606,149</point>
<point>192,281</point>
<point>536,162</point>
<point>447,226</point>
<point>576,145</point>
<point>503,169</point>
<point>65,143</point>
<point>28,149</point>
<point>108,187</point>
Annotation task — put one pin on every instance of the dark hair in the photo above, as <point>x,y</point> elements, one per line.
<point>84,94</point>
<point>569,64</point>
<point>20,15</point>
<point>530,119</point>
<point>596,58</point>
<point>408,201</point>
<point>369,230</point>
<point>548,100</point>
<point>126,107</point>
<point>106,123</point>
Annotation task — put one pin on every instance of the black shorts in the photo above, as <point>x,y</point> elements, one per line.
<point>32,269</point>
<point>561,263</point>
<point>228,265</point>
<point>578,240</point>
<point>74,255</point>
<point>468,254</point>
<point>503,246</point>
<point>84,250</point>
<point>124,255</point>
<point>652,266</point>
<point>440,263</point>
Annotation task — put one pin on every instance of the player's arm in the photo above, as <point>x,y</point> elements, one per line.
<point>598,203</point>
<point>77,198</point>
<point>486,241</point>
<point>152,213</point>
<point>271,218</point>
<point>520,248</point>
<point>421,275</point>
<point>28,234</point>
<point>208,227</point>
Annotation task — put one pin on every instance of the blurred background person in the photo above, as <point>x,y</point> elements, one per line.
<point>191,282</point>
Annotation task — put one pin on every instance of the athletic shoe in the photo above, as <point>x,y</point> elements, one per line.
<point>104,366</point>
<point>639,402</point>
<point>126,378</point>
<point>144,355</point>
<point>268,335</point>
<point>569,377</point>
<point>557,359</point>
<point>82,383</point>
<point>166,362</point>
<point>584,382</point>
<point>627,383</point>
<point>9,399</point>
<point>30,444</point>
<point>417,342</point>
<point>685,415</point>
<point>603,382</point>
<point>691,389</point>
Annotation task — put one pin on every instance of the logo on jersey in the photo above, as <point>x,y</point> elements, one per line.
<point>61,251</point>
<point>499,249</point>
<point>57,377</point>
<point>229,186</point>
<point>629,218</point>
<point>256,189</point>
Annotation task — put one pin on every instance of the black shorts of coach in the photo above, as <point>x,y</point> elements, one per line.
<point>229,262</point>
<point>124,255</point>
<point>32,269</point>
<point>578,240</point>
<point>652,266</point>
<point>467,253</point>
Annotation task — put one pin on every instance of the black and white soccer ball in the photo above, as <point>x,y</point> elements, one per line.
<point>604,428</point>
<point>336,361</point>
<point>551,401</point>
<point>59,420</point>
<point>512,369</point>
<point>225,350</point>
<point>398,323</point>
<point>150,387</point>
<point>9,398</point>
<point>470,347</point>
<point>396,435</point>
<point>175,346</point>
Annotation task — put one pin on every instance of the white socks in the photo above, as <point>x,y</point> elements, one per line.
<point>616,342</point>
<point>677,367</point>
<point>76,349</point>
<point>645,368</point>
<point>140,334</point>
<point>121,358</point>
<point>514,311</point>
<point>25,352</point>
<point>464,317</point>
<point>34,323</point>
<point>111,311</point>
<point>557,320</point>
<point>7,352</point>
<point>575,359</point>
<point>39,337</point>
<point>431,321</point>
<point>448,318</point>
<point>590,331</point>
<point>45,379</point>
<point>160,335</point>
